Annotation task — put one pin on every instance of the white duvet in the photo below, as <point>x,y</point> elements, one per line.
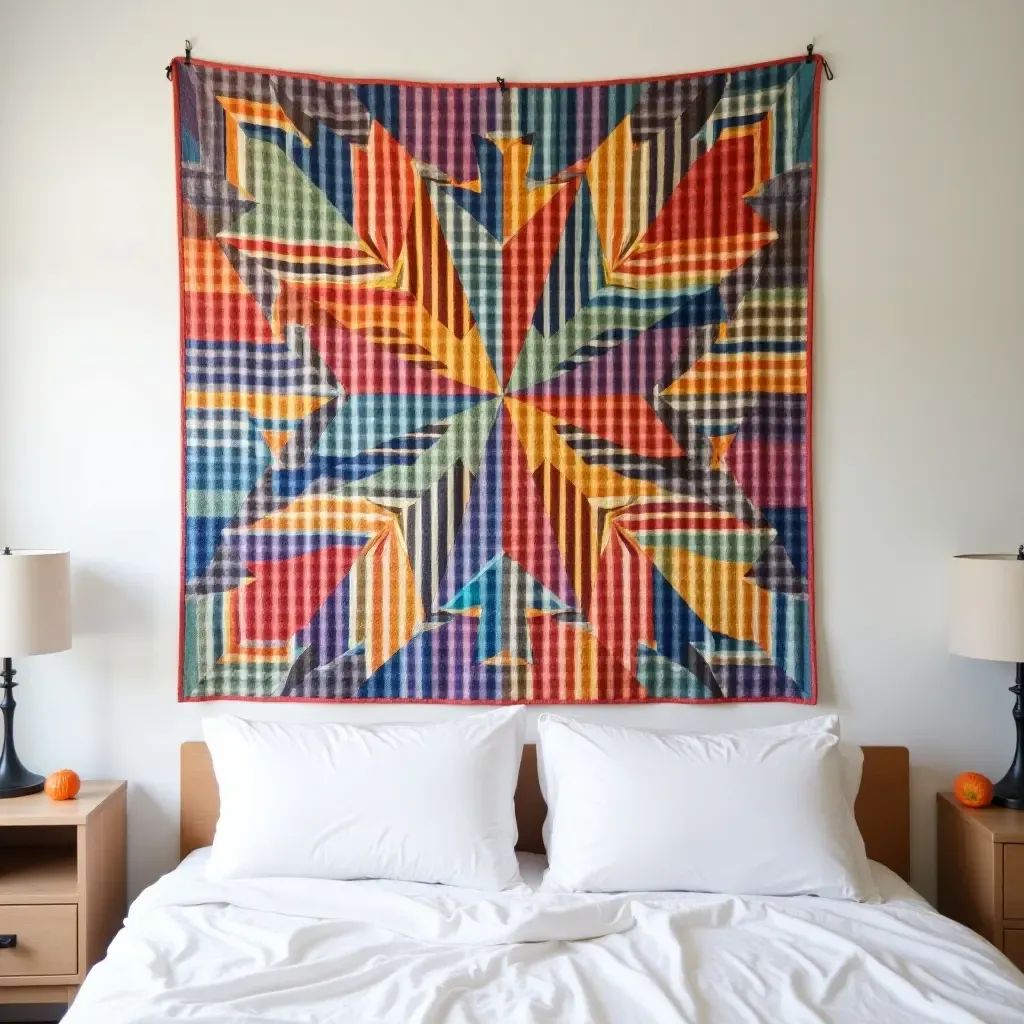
<point>286,950</point>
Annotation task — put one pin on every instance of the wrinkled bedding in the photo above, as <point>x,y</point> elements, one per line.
<point>288,950</point>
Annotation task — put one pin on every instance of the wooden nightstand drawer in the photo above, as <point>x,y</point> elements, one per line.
<point>47,941</point>
<point>981,872</point>
<point>1013,946</point>
<point>62,889</point>
<point>1013,881</point>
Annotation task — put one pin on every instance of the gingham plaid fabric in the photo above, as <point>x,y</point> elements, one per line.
<point>497,393</point>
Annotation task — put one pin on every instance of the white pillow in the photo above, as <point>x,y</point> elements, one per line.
<point>422,803</point>
<point>851,753</point>
<point>762,812</point>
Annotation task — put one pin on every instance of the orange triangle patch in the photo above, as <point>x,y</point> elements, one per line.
<point>720,444</point>
<point>277,439</point>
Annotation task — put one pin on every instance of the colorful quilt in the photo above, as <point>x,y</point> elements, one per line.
<point>497,392</point>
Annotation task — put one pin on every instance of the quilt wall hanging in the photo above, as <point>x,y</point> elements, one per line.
<point>496,392</point>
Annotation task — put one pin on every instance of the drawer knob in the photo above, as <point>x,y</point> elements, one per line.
<point>8,941</point>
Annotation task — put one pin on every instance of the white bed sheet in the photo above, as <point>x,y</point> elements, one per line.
<point>294,950</point>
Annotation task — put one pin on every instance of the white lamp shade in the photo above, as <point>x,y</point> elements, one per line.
<point>988,607</point>
<point>35,602</point>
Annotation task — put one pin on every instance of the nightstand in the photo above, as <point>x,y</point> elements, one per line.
<point>981,872</point>
<point>62,889</point>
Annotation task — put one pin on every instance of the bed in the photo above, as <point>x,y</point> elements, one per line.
<point>306,950</point>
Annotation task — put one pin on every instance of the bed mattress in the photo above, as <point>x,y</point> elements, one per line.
<point>289,950</point>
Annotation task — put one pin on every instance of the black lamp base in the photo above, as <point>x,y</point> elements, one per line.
<point>25,782</point>
<point>15,778</point>
<point>1009,790</point>
<point>1015,803</point>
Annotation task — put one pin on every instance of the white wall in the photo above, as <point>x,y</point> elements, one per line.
<point>919,354</point>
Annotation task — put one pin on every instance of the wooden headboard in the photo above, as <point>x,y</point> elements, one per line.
<point>883,806</point>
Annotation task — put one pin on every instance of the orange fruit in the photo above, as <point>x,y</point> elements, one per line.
<point>62,785</point>
<point>973,789</point>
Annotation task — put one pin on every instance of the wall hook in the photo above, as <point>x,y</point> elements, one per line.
<point>824,63</point>
<point>188,59</point>
<point>502,84</point>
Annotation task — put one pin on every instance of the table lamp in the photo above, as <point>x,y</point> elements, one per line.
<point>35,618</point>
<point>988,622</point>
